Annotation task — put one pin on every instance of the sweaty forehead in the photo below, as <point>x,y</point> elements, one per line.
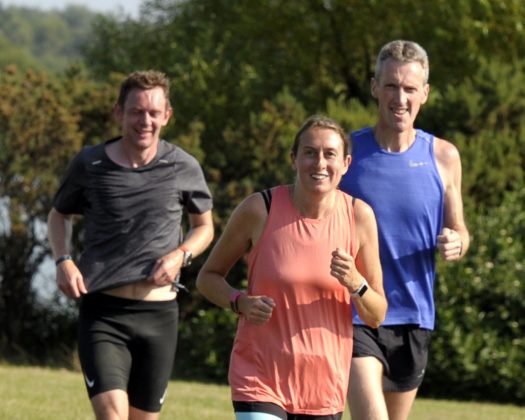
<point>397,71</point>
<point>146,98</point>
<point>321,137</point>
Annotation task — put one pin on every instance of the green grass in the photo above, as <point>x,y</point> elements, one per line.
<point>41,394</point>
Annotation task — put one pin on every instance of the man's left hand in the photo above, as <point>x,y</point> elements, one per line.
<point>450,245</point>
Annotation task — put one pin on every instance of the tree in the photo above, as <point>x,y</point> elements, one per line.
<point>46,40</point>
<point>39,132</point>
<point>483,116</point>
<point>13,55</point>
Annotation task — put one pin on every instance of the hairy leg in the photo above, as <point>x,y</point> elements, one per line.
<point>365,393</point>
<point>136,414</point>
<point>399,404</point>
<point>111,405</point>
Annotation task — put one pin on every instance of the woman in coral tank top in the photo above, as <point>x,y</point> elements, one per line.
<point>311,251</point>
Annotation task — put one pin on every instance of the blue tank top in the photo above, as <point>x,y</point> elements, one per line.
<point>406,192</point>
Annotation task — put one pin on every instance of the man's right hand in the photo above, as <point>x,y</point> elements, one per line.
<point>70,280</point>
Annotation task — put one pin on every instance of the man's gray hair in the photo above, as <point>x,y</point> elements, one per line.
<point>405,52</point>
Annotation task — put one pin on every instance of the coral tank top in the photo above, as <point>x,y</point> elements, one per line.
<point>300,359</point>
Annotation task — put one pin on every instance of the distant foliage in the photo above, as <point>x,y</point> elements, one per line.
<point>51,41</point>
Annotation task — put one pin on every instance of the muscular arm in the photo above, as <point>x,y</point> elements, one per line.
<point>240,234</point>
<point>196,241</point>
<point>200,234</point>
<point>454,240</point>
<point>69,278</point>
<point>372,306</point>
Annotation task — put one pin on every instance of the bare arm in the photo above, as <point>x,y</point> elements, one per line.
<point>372,306</point>
<point>240,234</point>
<point>454,240</point>
<point>69,278</point>
<point>196,241</point>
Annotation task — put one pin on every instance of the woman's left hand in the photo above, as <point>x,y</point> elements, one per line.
<point>343,268</point>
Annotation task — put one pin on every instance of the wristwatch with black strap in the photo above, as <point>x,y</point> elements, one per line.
<point>187,257</point>
<point>361,290</point>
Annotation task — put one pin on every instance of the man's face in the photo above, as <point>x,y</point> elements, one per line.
<point>400,92</point>
<point>145,112</point>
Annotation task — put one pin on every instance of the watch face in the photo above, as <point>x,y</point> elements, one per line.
<point>363,290</point>
<point>187,259</point>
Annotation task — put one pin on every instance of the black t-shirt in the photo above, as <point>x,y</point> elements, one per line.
<point>132,215</point>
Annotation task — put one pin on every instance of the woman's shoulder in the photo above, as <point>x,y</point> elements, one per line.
<point>363,211</point>
<point>252,207</point>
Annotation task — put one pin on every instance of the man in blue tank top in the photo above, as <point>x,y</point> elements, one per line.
<point>412,180</point>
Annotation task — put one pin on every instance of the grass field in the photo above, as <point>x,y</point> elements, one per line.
<point>33,393</point>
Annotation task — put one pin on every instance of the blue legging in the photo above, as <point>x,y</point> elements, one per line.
<point>257,410</point>
<point>256,416</point>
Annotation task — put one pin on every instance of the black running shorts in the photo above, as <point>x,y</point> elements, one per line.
<point>128,345</point>
<point>402,349</point>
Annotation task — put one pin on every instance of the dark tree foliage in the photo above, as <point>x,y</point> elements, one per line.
<point>483,116</point>
<point>40,129</point>
<point>479,341</point>
<point>37,133</point>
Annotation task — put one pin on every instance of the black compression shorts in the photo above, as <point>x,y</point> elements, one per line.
<point>402,349</point>
<point>128,345</point>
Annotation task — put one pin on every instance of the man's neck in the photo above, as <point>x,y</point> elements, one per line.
<point>394,141</point>
<point>122,154</point>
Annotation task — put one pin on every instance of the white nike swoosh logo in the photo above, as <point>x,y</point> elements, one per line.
<point>163,397</point>
<point>89,383</point>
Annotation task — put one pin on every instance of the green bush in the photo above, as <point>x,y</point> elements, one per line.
<point>483,117</point>
<point>205,343</point>
<point>478,350</point>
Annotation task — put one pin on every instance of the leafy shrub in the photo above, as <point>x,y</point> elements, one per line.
<point>478,350</point>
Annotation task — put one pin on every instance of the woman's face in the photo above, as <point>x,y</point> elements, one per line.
<point>320,161</point>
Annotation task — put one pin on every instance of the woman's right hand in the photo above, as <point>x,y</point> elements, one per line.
<point>256,309</point>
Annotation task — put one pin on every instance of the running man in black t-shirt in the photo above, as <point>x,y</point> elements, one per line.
<point>132,192</point>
